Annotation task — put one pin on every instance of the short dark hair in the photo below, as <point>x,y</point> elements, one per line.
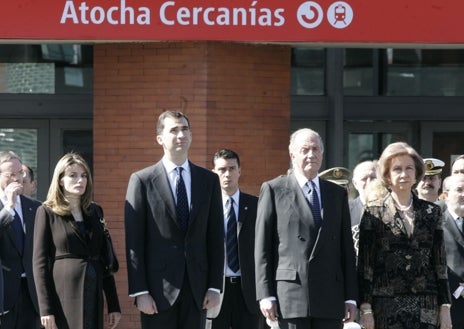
<point>30,171</point>
<point>171,114</point>
<point>226,154</point>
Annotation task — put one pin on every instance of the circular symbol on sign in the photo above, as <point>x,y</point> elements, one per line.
<point>340,14</point>
<point>310,14</point>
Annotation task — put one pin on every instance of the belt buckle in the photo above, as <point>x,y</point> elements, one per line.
<point>234,279</point>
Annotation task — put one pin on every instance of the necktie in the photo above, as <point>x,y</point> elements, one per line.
<point>315,206</point>
<point>19,231</point>
<point>182,207</point>
<point>231,237</point>
<point>459,223</point>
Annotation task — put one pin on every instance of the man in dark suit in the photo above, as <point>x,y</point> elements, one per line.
<point>21,309</point>
<point>5,221</point>
<point>238,308</point>
<point>174,234</point>
<point>305,260</point>
<point>454,244</point>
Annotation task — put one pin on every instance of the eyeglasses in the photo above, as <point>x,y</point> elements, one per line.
<point>9,175</point>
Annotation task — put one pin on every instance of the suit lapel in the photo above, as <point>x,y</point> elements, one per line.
<point>301,209</point>
<point>161,182</point>
<point>242,212</point>
<point>453,229</point>
<point>326,211</point>
<point>195,191</point>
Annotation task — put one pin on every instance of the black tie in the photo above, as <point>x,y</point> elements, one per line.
<point>315,206</point>
<point>231,236</point>
<point>182,207</point>
<point>19,231</point>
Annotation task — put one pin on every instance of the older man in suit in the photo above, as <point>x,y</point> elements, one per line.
<point>5,221</point>
<point>238,308</point>
<point>454,244</point>
<point>174,234</point>
<point>305,260</point>
<point>21,309</point>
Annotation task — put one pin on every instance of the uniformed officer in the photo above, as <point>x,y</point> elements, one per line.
<point>337,175</point>
<point>429,187</point>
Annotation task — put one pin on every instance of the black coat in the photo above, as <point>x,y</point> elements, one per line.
<point>61,257</point>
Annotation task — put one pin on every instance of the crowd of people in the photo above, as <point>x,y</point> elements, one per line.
<point>201,253</point>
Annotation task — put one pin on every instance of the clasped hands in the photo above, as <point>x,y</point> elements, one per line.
<point>146,304</point>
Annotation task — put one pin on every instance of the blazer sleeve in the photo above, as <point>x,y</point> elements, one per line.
<point>264,249</point>
<point>135,228</point>
<point>111,295</point>
<point>216,237</point>
<point>5,219</point>
<point>43,252</point>
<point>439,259</point>
<point>367,253</point>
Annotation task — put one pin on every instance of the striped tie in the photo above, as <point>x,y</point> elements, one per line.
<point>315,206</point>
<point>231,237</point>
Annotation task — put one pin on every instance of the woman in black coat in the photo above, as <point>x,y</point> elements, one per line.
<point>68,244</point>
<point>402,262</point>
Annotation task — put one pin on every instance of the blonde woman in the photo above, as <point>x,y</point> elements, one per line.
<point>68,242</point>
<point>402,263</point>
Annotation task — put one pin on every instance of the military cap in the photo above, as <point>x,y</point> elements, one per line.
<point>337,175</point>
<point>433,166</point>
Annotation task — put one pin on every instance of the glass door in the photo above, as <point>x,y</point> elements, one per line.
<point>366,140</point>
<point>40,143</point>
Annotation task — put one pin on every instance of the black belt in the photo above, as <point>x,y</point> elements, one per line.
<point>233,279</point>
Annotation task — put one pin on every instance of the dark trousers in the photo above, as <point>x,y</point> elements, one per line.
<point>23,315</point>
<point>234,313</point>
<point>310,323</point>
<point>184,314</point>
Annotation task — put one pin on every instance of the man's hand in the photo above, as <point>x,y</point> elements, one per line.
<point>212,299</point>
<point>146,304</point>
<point>11,192</point>
<point>113,319</point>
<point>48,322</point>
<point>351,312</point>
<point>269,309</point>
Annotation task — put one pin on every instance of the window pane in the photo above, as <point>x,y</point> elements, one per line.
<point>79,141</point>
<point>308,71</point>
<point>46,69</point>
<point>369,146</point>
<point>425,72</point>
<point>358,72</point>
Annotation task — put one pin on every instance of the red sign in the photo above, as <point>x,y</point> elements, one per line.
<point>348,21</point>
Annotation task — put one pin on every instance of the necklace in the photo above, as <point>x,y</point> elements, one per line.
<point>403,208</point>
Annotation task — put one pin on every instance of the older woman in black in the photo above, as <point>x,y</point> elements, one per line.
<point>68,242</point>
<point>402,262</point>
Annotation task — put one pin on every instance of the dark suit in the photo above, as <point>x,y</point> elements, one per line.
<point>73,255</point>
<point>5,220</point>
<point>454,244</point>
<point>19,290</point>
<point>161,258</point>
<point>311,272</point>
<point>242,312</point>
<point>393,266</point>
